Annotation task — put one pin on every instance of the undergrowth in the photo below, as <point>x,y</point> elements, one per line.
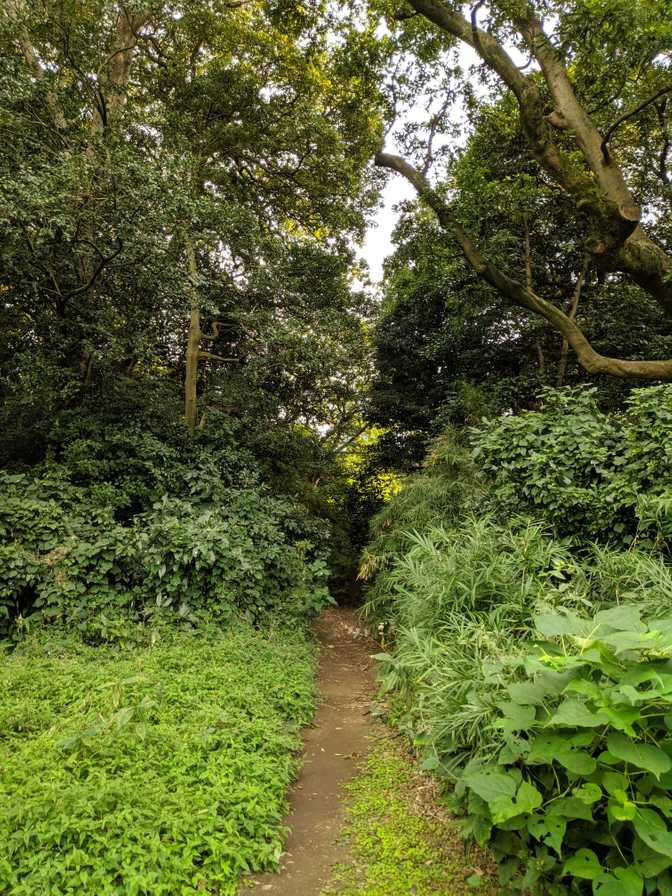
<point>160,769</point>
<point>556,735</point>
<point>400,843</point>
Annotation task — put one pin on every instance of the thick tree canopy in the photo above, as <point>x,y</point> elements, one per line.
<point>591,87</point>
<point>180,181</point>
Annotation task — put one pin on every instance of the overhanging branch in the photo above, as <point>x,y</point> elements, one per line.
<point>515,293</point>
<point>627,115</point>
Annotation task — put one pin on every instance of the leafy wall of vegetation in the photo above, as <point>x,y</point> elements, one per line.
<point>530,645</point>
<point>126,525</point>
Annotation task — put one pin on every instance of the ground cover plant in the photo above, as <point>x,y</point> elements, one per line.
<point>160,768</point>
<point>400,841</point>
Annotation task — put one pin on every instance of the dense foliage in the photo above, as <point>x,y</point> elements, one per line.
<point>592,475</point>
<point>201,406</point>
<point>580,788</point>
<point>126,526</point>
<point>156,769</point>
<point>529,644</point>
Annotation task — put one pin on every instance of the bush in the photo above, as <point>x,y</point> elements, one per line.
<point>66,555</point>
<point>579,792</point>
<point>591,475</point>
<point>459,603</point>
<point>519,663</point>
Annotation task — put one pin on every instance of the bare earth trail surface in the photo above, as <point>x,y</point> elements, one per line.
<point>340,737</point>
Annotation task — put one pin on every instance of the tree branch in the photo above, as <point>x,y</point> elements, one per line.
<point>516,293</point>
<point>209,356</point>
<point>626,115</point>
<point>211,337</point>
<point>667,142</point>
<point>571,314</point>
<point>104,261</point>
<point>598,189</point>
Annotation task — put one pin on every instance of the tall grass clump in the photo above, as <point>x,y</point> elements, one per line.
<point>460,603</point>
<point>447,487</point>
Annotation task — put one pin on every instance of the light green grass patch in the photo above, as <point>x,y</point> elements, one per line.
<point>155,770</point>
<point>399,844</point>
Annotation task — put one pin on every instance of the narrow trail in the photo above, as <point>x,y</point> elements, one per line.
<point>339,738</point>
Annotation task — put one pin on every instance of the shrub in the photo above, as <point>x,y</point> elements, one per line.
<point>578,794</point>
<point>459,602</point>
<point>591,475</point>
<point>556,462</point>
<point>66,557</point>
<point>557,731</point>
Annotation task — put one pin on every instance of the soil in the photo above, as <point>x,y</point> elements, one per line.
<point>341,734</point>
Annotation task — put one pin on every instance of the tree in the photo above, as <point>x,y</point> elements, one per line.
<point>446,349</point>
<point>161,166</point>
<point>587,88</point>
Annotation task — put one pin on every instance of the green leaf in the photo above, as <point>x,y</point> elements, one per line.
<point>623,618</point>
<point>490,784</point>
<point>623,641</point>
<point>517,717</point>
<point>647,861</point>
<point>570,807</point>
<point>644,756</point>
<point>556,624</point>
<point>584,864</point>
<point>588,793</point>
<point>573,713</point>
<point>653,831</point>
<point>528,692</point>
<point>549,748</point>
<point>557,828</point>
<point>664,803</point>
<point>550,829</point>
<point>503,808</point>
<point>621,811</point>
<point>528,797</point>
<point>623,882</point>
<point>621,717</point>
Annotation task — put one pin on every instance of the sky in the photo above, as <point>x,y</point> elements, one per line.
<point>378,243</point>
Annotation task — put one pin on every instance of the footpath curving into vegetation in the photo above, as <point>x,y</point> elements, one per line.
<point>206,395</point>
<point>531,644</point>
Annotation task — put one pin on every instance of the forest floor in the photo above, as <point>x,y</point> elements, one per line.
<point>364,821</point>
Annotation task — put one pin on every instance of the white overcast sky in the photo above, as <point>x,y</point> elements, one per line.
<point>378,241</point>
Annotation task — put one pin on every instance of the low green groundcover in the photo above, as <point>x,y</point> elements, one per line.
<point>156,770</point>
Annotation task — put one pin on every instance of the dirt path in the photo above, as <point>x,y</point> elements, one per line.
<point>338,739</point>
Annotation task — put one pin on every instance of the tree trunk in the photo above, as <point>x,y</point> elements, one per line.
<point>193,343</point>
<point>571,314</point>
